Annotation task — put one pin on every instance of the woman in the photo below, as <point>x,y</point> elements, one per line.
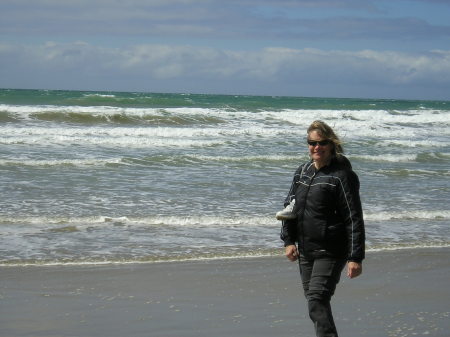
<point>328,227</point>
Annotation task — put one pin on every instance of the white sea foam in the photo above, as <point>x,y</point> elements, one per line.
<point>275,158</point>
<point>176,221</point>
<point>408,214</point>
<point>408,129</point>
<point>337,118</point>
<point>100,95</point>
<point>59,162</point>
<point>395,247</point>
<point>111,137</point>
<point>149,260</point>
<point>82,162</point>
<point>138,132</point>
<point>404,158</point>
<point>340,118</point>
<point>411,129</point>
<point>430,143</point>
<point>27,111</point>
<point>202,221</point>
<point>124,240</point>
<point>387,158</point>
<point>211,257</point>
<point>139,137</point>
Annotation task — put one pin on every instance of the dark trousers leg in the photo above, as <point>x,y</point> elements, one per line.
<point>320,277</point>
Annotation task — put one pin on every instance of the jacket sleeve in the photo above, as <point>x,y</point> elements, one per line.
<point>349,206</point>
<point>288,232</point>
<point>289,227</point>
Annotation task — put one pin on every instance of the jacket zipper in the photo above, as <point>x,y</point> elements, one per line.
<point>304,205</point>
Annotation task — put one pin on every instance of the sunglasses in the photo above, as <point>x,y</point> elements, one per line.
<point>320,142</point>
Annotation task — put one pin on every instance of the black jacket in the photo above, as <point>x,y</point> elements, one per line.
<point>329,213</point>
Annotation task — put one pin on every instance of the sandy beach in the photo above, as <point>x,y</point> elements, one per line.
<point>401,293</point>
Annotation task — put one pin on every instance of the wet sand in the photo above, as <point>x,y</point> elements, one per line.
<point>401,293</point>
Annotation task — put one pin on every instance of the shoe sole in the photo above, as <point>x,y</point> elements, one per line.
<point>289,216</point>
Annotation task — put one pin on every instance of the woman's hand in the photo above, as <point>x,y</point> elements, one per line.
<point>354,269</point>
<point>291,253</point>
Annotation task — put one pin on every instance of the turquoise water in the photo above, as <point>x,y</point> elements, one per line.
<point>108,177</point>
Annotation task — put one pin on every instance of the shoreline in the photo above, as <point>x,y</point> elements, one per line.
<point>401,293</point>
<point>196,259</point>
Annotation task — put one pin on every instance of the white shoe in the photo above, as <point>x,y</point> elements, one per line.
<point>287,213</point>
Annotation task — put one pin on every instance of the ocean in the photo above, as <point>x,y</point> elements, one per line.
<point>124,177</point>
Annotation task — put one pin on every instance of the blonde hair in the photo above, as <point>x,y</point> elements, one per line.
<point>327,132</point>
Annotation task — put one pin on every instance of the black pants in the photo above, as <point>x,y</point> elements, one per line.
<point>320,277</point>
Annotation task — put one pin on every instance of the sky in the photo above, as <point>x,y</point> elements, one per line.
<point>309,48</point>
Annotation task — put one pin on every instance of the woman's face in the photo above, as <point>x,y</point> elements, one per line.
<point>319,153</point>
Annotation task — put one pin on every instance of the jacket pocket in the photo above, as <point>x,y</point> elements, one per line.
<point>335,232</point>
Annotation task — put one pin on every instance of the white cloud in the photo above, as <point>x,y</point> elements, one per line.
<point>284,68</point>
